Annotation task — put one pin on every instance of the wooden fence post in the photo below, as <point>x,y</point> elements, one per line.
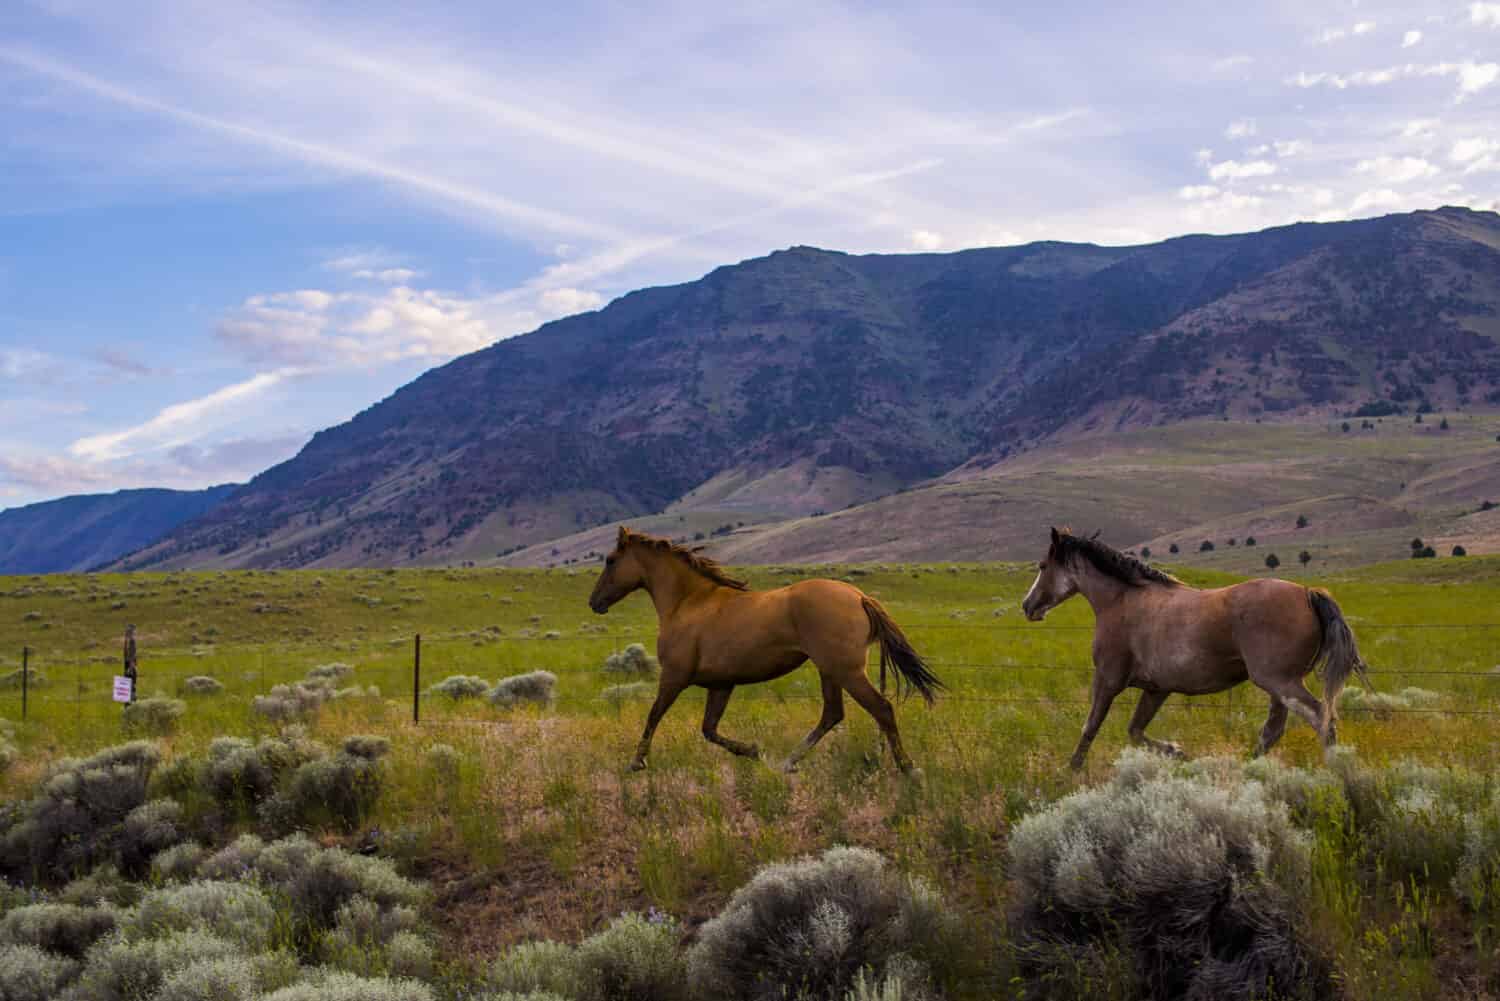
<point>25,678</point>
<point>416,681</point>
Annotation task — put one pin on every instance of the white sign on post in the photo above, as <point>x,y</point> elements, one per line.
<point>122,688</point>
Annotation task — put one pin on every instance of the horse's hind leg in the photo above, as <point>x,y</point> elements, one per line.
<point>1305,704</point>
<point>879,707</point>
<point>1274,728</point>
<point>718,698</point>
<point>1145,711</point>
<point>833,715</point>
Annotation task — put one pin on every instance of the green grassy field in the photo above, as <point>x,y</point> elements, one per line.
<point>547,835</point>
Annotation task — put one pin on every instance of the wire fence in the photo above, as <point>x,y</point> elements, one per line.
<point>404,669</point>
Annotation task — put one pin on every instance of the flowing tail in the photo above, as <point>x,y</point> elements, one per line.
<point>896,650</point>
<point>1339,654</point>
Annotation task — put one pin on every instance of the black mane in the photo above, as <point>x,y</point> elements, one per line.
<point>1110,561</point>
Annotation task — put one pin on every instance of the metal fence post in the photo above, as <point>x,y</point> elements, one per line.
<point>416,681</point>
<point>25,678</point>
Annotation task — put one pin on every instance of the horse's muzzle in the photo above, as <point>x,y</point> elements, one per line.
<point>1033,614</point>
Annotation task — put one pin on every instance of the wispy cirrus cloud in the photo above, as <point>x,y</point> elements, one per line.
<point>179,423</point>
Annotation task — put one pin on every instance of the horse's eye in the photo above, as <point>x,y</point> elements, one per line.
<point>609,561</point>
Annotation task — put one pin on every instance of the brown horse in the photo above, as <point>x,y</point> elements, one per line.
<point>714,632</point>
<point>1153,632</point>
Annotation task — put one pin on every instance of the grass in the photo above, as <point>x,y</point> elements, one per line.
<point>531,828</point>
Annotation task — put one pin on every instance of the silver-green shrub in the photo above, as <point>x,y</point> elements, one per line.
<point>121,969</point>
<point>634,959</point>
<point>341,788</point>
<point>66,929</point>
<point>229,978</point>
<point>75,819</point>
<point>29,974</point>
<point>200,684</point>
<point>534,687</point>
<point>536,967</point>
<point>155,716</point>
<point>239,912</point>
<point>808,928</point>
<point>461,686</point>
<point>1191,881</point>
<point>633,661</point>
<point>337,985</point>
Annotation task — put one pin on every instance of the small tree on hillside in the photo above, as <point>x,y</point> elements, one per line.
<point>1249,540</point>
<point>1272,562</point>
<point>1301,521</point>
<point>1416,545</point>
<point>1460,551</point>
<point>1443,424</point>
<point>1304,557</point>
<point>1145,552</point>
<point>1205,546</point>
<point>1172,548</point>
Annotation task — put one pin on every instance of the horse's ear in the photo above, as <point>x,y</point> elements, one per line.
<point>1097,533</point>
<point>1055,537</point>
<point>623,537</point>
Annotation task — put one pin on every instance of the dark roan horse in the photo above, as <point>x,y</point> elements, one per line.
<point>1155,633</point>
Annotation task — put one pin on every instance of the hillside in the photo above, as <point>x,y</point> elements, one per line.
<point>1365,493</point>
<point>811,380</point>
<point>79,533</point>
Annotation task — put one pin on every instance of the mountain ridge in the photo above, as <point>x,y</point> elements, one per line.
<point>807,380</point>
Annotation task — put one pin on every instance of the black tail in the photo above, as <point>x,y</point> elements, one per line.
<point>896,650</point>
<point>1338,657</point>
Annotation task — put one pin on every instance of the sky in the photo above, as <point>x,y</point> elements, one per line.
<point>226,226</point>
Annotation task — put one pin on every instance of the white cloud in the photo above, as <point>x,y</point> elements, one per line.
<point>926,240</point>
<point>1485,14</point>
<point>555,302</point>
<point>22,363</point>
<point>1197,192</point>
<point>391,276</point>
<point>1472,77</point>
<point>1396,170</point>
<point>1233,170</point>
<point>1204,156</point>
<point>1421,128</point>
<point>1328,35</point>
<point>1288,147</point>
<point>1467,150</point>
<point>1411,38</point>
<point>1380,198</point>
<point>176,424</point>
<point>1229,63</point>
<point>334,330</point>
<point>1242,129</point>
<point>1364,27</point>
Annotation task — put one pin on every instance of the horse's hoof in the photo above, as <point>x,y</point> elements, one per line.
<point>789,768</point>
<point>915,775</point>
<point>1172,750</point>
<point>752,752</point>
<point>1076,764</point>
<point>638,765</point>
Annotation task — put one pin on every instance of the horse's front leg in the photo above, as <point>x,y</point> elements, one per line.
<point>718,698</point>
<point>1145,712</point>
<point>666,694</point>
<point>1106,687</point>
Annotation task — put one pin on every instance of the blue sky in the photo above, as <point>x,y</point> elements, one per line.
<point>225,226</point>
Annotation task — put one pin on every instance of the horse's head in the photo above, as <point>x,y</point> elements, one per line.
<point>1054,583</point>
<point>622,574</point>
